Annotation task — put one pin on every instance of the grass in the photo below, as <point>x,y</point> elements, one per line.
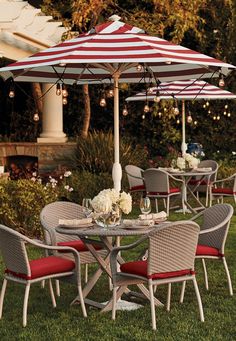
<point>181,323</point>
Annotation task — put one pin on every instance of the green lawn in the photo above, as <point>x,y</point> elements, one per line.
<point>181,323</point>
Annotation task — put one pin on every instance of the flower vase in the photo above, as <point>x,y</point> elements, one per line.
<point>111,219</point>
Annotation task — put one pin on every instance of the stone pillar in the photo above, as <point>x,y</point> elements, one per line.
<point>52,120</point>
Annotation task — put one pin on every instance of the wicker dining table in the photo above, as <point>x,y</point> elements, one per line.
<point>108,237</point>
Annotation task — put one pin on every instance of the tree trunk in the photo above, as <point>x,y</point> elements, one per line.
<point>87,111</point>
<point>37,94</point>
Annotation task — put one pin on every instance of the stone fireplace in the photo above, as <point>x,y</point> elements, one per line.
<point>44,157</point>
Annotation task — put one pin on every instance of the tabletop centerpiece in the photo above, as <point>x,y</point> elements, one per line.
<point>109,205</point>
<point>187,162</point>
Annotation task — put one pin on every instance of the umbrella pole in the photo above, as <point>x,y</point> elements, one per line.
<point>183,146</point>
<point>116,170</point>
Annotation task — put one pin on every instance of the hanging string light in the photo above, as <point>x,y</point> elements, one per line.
<point>58,90</point>
<point>157,97</point>
<point>226,106</point>
<point>207,104</point>
<point>229,114</point>
<point>110,93</point>
<point>225,113</point>
<point>36,117</point>
<point>214,117</point>
<point>103,101</point>
<point>178,121</point>
<point>195,123</point>
<point>146,108</point>
<point>204,106</point>
<point>160,114</point>
<point>64,101</point>
<point>12,89</point>
<point>125,110</point>
<point>221,81</point>
<point>64,91</point>
<point>218,117</point>
<point>189,118</point>
<point>176,109</point>
<point>143,116</point>
<point>139,67</point>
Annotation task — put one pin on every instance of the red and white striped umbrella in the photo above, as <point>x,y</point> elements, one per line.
<point>183,90</point>
<point>109,53</point>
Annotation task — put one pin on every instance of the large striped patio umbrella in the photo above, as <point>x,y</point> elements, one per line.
<point>183,90</point>
<point>115,52</point>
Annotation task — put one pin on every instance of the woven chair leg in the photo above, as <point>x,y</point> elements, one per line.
<point>168,297</point>
<point>156,203</point>
<point>198,299</point>
<point>228,276</point>
<point>58,291</point>
<point>114,303</point>
<point>207,195</point>
<point>205,274</point>
<point>82,301</point>
<point>25,306</point>
<point>86,273</point>
<point>182,292</point>
<point>54,304</point>
<point>43,284</point>
<point>168,206</point>
<point>4,286</point>
<point>164,202</point>
<point>153,313</point>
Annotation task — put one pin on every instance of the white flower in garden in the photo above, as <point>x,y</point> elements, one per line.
<point>70,189</point>
<point>67,174</point>
<point>125,202</point>
<point>67,187</point>
<point>180,163</point>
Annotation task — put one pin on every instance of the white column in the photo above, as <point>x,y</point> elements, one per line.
<point>52,120</point>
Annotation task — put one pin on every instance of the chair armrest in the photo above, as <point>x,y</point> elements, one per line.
<point>225,179</point>
<point>176,179</point>
<point>133,176</point>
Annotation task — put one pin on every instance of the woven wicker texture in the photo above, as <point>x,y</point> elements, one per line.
<point>156,180</point>
<point>219,214</point>
<point>134,175</point>
<point>173,247</point>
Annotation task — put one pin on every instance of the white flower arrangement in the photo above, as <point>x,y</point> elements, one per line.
<point>187,160</point>
<point>108,199</point>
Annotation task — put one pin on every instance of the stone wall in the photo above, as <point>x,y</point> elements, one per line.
<point>51,156</point>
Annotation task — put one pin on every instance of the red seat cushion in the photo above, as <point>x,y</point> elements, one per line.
<point>139,268</point>
<point>78,245</point>
<point>223,191</point>
<point>204,250</point>
<point>46,266</point>
<point>137,188</point>
<point>172,190</point>
<point>200,182</point>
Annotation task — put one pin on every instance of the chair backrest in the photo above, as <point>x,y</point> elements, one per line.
<point>13,249</point>
<point>50,216</point>
<point>173,247</point>
<point>219,214</point>
<point>156,180</point>
<point>134,175</point>
<point>214,166</point>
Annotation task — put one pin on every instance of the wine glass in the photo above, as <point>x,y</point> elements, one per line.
<point>87,206</point>
<point>145,205</point>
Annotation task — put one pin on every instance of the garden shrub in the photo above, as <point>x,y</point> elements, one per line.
<point>95,154</point>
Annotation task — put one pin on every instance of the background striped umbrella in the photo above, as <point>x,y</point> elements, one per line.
<point>115,52</point>
<point>183,90</point>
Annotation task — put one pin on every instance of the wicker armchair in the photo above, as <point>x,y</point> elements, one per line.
<point>171,255</point>
<point>21,270</point>
<point>49,218</point>
<point>158,186</point>
<point>223,188</point>
<point>203,185</point>
<point>213,234</point>
<point>135,179</point>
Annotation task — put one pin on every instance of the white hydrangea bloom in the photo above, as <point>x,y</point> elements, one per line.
<point>125,202</point>
<point>180,163</point>
<point>102,203</point>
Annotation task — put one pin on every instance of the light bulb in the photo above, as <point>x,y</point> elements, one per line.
<point>58,91</point>
<point>159,114</point>
<point>225,113</point>
<point>165,109</point>
<point>168,62</point>
<point>62,63</point>
<point>229,114</point>
<point>189,119</point>
<point>103,102</point>
<point>36,117</point>
<point>221,81</point>
<point>125,111</point>
<point>226,106</point>
<point>178,121</point>
<point>204,106</point>
<point>176,110</point>
<point>64,91</point>
<point>110,93</point>
<point>218,117</point>
<point>139,67</point>
<point>64,101</point>
<point>195,123</point>
<point>209,111</point>
<point>146,108</point>
<point>11,93</point>
<point>149,91</point>
<point>207,104</point>
<point>214,117</point>
<point>143,116</point>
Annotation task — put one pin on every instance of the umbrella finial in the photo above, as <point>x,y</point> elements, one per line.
<point>114,17</point>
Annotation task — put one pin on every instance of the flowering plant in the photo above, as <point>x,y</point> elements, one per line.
<point>187,161</point>
<point>108,204</point>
